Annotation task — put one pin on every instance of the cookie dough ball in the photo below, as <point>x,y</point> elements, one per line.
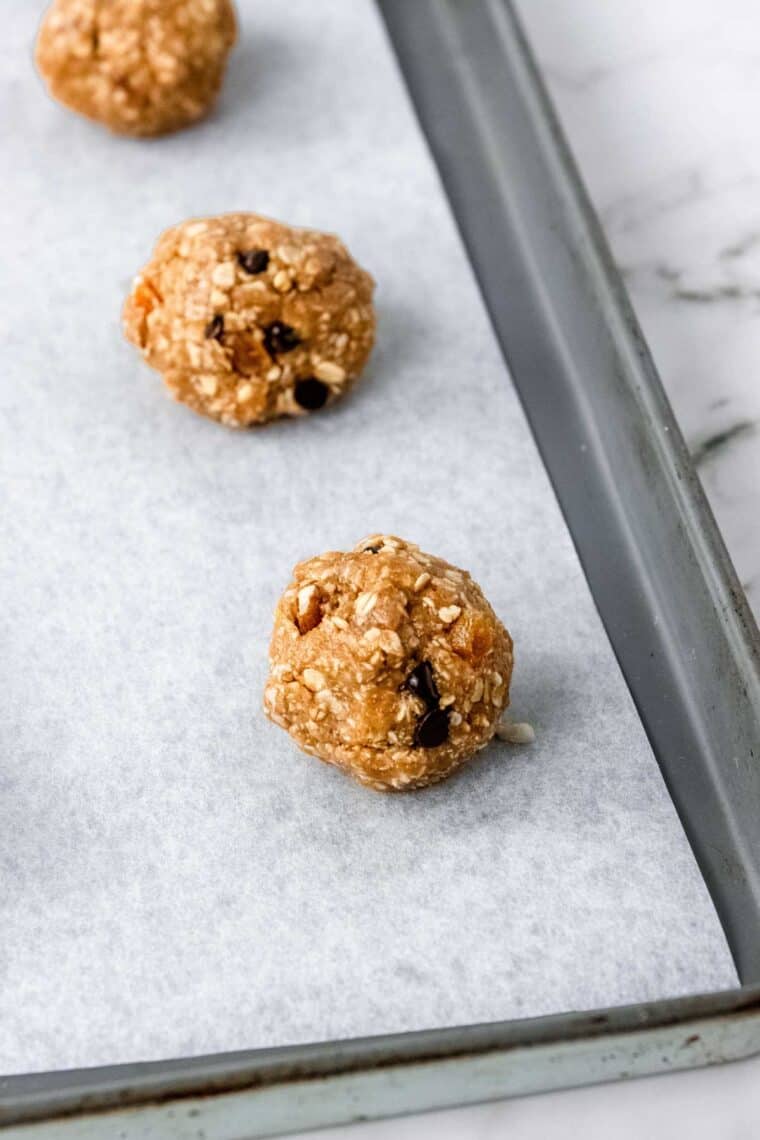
<point>389,663</point>
<point>249,319</point>
<point>141,67</point>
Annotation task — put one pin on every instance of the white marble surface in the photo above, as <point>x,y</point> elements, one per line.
<point>661,102</point>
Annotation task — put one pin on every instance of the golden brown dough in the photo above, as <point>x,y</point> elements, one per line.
<point>249,319</point>
<point>141,67</point>
<point>387,662</point>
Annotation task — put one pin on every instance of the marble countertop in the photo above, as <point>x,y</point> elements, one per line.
<point>661,105</point>
<point>661,113</point>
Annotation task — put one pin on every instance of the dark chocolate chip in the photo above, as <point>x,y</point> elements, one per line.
<point>421,682</point>
<point>215,328</point>
<point>311,394</point>
<point>279,337</point>
<point>432,729</point>
<point>372,549</point>
<point>253,260</point>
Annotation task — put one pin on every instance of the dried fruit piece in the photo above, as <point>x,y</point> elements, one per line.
<point>421,682</point>
<point>432,729</point>
<point>311,395</point>
<point>253,261</point>
<point>279,337</point>
<point>214,330</point>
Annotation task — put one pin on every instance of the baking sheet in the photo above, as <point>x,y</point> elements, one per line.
<point>176,877</point>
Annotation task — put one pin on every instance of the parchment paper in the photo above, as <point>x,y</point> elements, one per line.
<point>176,878</point>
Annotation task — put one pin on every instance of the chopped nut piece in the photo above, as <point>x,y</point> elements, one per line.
<point>314,680</point>
<point>331,373</point>
<point>224,275</point>
<point>304,598</point>
<point>449,614</point>
<point>309,609</point>
<point>515,733</point>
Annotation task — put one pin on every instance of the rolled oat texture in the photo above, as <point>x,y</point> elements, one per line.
<point>140,67</point>
<point>249,319</point>
<point>389,663</point>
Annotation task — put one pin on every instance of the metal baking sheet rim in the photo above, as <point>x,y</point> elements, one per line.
<point>269,1092</point>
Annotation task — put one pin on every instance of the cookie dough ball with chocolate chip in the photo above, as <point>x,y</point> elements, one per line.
<point>249,319</point>
<point>389,663</point>
<point>141,67</point>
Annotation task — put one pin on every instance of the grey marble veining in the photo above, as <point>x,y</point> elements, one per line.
<point>660,107</point>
